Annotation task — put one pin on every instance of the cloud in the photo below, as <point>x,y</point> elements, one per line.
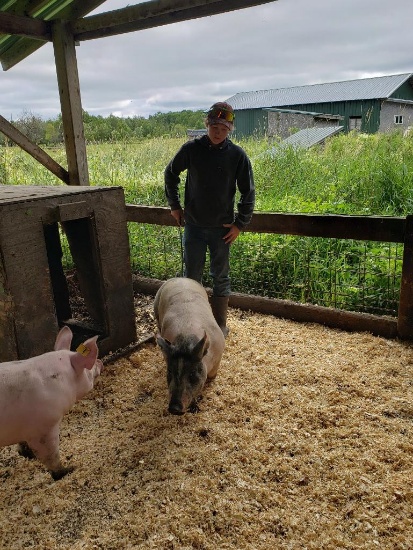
<point>190,65</point>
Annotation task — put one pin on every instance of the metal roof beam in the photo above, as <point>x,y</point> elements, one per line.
<point>151,14</point>
<point>24,26</point>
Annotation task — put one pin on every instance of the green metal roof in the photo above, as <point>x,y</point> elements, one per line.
<point>15,48</point>
<point>381,87</point>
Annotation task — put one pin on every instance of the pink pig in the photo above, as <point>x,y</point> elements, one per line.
<point>35,394</point>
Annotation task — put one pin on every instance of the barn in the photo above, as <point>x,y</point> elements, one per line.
<point>378,104</point>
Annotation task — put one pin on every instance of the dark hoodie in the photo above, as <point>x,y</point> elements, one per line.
<point>213,175</point>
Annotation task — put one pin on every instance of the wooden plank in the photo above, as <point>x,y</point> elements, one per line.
<point>73,10</point>
<point>84,248</point>
<point>405,315</point>
<point>368,228</point>
<point>331,317</point>
<point>114,252</point>
<point>28,283</point>
<point>69,90</point>
<point>24,26</point>
<point>12,194</point>
<point>153,14</point>
<point>158,215</point>
<point>74,210</point>
<point>20,50</point>
<point>8,348</point>
<point>32,149</point>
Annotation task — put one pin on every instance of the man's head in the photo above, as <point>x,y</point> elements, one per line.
<point>221,113</point>
<point>219,122</point>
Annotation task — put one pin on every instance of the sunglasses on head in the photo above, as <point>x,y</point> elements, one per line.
<point>221,113</point>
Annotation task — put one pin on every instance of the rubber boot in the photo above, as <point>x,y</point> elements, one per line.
<point>219,306</point>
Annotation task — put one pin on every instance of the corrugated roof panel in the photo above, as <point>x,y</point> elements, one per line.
<point>308,137</point>
<point>350,90</point>
<point>15,48</point>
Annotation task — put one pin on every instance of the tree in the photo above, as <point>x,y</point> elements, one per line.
<point>32,126</point>
<point>100,129</point>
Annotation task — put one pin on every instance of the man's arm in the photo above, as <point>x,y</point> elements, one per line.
<point>246,186</point>
<point>172,178</point>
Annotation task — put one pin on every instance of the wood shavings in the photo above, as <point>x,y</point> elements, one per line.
<point>304,440</point>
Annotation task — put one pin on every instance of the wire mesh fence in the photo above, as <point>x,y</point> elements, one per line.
<point>347,274</point>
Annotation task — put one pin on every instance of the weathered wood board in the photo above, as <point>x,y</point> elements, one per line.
<point>94,220</point>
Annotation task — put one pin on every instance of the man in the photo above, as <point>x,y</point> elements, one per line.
<point>216,167</point>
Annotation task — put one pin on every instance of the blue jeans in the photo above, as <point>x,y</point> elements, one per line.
<point>196,242</point>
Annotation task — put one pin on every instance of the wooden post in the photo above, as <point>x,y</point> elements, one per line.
<point>34,150</point>
<point>405,317</point>
<point>69,91</point>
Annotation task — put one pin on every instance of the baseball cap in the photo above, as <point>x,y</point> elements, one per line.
<point>221,113</point>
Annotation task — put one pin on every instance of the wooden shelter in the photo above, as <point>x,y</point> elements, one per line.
<point>34,295</point>
<point>34,290</point>
<point>26,25</point>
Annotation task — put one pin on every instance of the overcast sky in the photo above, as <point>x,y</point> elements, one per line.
<point>192,64</point>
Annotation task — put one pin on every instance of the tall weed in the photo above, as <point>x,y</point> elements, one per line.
<point>349,174</point>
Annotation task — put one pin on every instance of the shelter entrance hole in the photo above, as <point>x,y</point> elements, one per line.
<point>76,277</point>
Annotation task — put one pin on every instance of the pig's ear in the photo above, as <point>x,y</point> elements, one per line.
<point>63,339</point>
<point>86,355</point>
<point>164,344</point>
<point>201,347</point>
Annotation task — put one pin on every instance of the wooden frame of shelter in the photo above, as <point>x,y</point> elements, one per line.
<point>26,25</point>
<point>22,23</point>
<point>67,26</point>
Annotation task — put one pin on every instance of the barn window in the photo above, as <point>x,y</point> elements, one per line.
<point>355,123</point>
<point>398,119</point>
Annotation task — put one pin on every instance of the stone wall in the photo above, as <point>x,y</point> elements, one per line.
<point>389,110</point>
<point>282,125</point>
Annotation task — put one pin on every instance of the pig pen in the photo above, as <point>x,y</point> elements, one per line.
<point>304,440</point>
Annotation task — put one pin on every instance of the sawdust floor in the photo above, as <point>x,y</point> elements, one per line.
<point>304,440</point>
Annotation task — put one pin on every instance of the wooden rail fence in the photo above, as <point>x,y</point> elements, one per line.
<point>363,228</point>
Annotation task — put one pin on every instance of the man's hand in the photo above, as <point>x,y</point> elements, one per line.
<point>178,215</point>
<point>232,234</point>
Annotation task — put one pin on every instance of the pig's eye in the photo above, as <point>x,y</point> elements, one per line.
<point>193,378</point>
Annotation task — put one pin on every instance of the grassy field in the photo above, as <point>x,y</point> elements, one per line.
<point>351,174</point>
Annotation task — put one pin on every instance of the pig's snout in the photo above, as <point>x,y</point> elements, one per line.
<point>176,407</point>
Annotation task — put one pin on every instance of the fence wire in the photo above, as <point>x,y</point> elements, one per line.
<point>352,275</point>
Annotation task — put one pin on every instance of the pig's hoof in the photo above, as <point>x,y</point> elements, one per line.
<point>193,407</point>
<point>24,450</point>
<point>58,474</point>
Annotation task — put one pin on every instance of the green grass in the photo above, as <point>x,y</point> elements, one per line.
<point>351,174</point>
